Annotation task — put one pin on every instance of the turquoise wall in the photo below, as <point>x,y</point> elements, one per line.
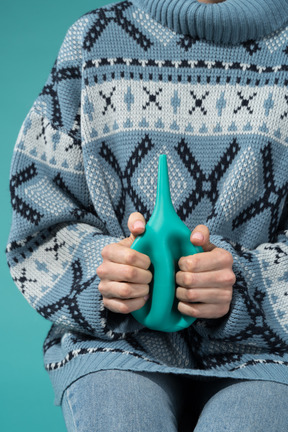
<point>31,34</point>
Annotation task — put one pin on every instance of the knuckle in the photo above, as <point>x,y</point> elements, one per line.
<point>100,271</point>
<point>130,256</point>
<point>188,279</point>
<point>229,278</point>
<point>125,291</point>
<point>225,278</point>
<point>195,262</point>
<point>190,295</point>
<point>123,308</point>
<point>181,263</point>
<point>130,273</point>
<point>149,277</point>
<point>148,263</point>
<point>105,251</point>
<point>220,253</point>
<point>101,288</point>
<point>190,263</point>
<point>225,257</point>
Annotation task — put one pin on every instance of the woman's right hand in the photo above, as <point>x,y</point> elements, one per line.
<point>124,275</point>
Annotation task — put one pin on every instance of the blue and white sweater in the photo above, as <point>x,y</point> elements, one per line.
<point>207,85</point>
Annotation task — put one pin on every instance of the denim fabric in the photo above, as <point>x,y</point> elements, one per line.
<point>248,406</point>
<point>123,401</point>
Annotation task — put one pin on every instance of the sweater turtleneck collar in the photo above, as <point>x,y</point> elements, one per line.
<point>228,22</point>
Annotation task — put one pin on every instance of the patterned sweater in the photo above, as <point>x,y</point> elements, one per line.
<point>206,85</point>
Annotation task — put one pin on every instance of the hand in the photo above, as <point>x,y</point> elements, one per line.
<point>205,280</point>
<point>124,275</point>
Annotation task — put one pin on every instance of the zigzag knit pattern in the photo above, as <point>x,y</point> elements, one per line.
<point>86,158</point>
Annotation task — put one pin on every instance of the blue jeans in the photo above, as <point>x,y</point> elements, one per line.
<point>112,401</point>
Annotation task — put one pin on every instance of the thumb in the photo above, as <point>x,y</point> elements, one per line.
<point>200,237</point>
<point>136,225</point>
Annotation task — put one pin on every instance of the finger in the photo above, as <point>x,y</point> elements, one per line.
<point>200,237</point>
<point>123,273</point>
<point>124,306</point>
<point>213,279</point>
<point>136,224</point>
<point>118,253</point>
<point>208,311</point>
<point>205,295</point>
<point>122,290</point>
<point>206,261</point>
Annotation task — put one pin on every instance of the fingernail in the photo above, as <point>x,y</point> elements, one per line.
<point>197,236</point>
<point>146,297</point>
<point>138,224</point>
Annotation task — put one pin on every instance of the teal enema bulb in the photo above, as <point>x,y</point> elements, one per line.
<point>165,240</point>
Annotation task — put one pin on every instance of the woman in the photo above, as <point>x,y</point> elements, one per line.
<point>205,84</point>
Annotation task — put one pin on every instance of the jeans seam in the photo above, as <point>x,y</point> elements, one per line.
<point>71,410</point>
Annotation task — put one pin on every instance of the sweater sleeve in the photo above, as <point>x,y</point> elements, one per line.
<point>56,237</point>
<point>258,314</point>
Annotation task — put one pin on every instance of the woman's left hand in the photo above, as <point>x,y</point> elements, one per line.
<point>205,280</point>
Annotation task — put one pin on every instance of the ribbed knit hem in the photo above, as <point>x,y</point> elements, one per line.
<point>252,368</point>
<point>228,22</point>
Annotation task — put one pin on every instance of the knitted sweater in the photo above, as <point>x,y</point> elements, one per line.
<point>207,85</point>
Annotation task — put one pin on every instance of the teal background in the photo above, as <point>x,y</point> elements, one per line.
<point>31,34</point>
